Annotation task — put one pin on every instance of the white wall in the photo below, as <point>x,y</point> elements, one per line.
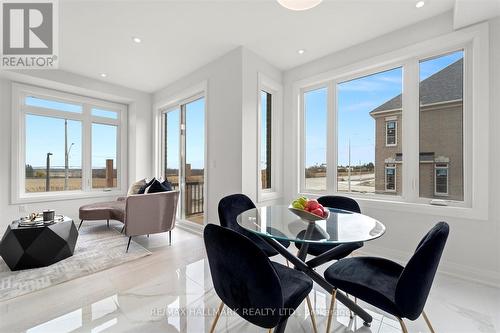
<point>473,249</point>
<point>253,65</point>
<point>139,129</point>
<point>223,132</point>
<point>232,82</point>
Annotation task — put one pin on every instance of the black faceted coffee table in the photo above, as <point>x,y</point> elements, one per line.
<point>32,247</point>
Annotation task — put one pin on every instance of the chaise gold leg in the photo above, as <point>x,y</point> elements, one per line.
<point>403,326</point>
<point>428,322</point>
<point>313,319</point>
<point>330,312</point>
<point>217,315</point>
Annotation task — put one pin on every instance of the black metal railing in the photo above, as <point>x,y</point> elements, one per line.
<point>193,197</point>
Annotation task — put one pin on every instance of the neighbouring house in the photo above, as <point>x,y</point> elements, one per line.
<point>441,138</point>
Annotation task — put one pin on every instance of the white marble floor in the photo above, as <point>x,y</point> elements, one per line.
<point>171,291</point>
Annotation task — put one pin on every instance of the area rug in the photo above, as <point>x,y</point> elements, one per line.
<point>98,248</point>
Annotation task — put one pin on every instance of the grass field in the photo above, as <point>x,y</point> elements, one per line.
<point>57,184</point>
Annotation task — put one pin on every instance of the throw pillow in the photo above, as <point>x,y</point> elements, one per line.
<point>167,185</point>
<point>156,187</point>
<point>143,188</point>
<point>135,187</point>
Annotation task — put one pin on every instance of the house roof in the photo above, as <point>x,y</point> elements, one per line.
<point>445,85</point>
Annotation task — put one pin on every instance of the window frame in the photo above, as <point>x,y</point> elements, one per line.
<point>274,88</point>
<point>387,121</point>
<point>395,179</point>
<point>474,41</point>
<point>436,168</point>
<point>168,104</point>
<point>18,154</point>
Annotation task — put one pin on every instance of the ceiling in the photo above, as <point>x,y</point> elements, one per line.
<point>181,36</point>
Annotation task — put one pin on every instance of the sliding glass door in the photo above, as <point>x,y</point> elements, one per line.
<point>184,155</point>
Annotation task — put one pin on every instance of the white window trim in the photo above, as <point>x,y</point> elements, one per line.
<point>18,156</point>
<point>276,90</point>
<point>302,139</point>
<point>475,42</point>
<point>191,94</point>
<point>395,179</point>
<point>441,194</point>
<point>395,135</point>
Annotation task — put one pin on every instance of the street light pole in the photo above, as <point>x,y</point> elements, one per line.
<point>66,154</point>
<point>47,173</point>
<point>349,169</point>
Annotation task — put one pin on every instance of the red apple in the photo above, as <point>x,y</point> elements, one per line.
<point>312,205</point>
<point>319,212</point>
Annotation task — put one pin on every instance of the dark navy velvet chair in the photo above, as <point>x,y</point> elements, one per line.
<point>339,202</point>
<point>262,292</point>
<point>400,291</point>
<point>233,205</point>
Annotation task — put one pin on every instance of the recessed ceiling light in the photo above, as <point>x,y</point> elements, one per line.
<point>420,4</point>
<point>136,40</point>
<point>103,74</point>
<point>301,51</point>
<point>299,4</point>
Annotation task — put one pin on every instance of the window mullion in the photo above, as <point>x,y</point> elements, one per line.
<point>410,130</point>
<point>87,150</point>
<point>331,144</point>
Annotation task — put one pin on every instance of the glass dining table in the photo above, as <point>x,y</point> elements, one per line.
<point>342,227</point>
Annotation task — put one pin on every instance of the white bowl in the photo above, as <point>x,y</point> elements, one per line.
<point>305,215</point>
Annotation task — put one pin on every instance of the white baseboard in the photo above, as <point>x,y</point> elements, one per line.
<point>487,277</point>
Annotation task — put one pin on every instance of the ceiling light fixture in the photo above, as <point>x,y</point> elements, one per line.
<point>136,40</point>
<point>420,4</point>
<point>103,74</point>
<point>299,4</point>
<point>301,51</point>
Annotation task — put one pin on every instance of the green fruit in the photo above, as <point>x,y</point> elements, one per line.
<point>302,200</point>
<point>297,205</point>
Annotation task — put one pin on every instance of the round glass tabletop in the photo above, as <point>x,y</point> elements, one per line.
<point>341,227</point>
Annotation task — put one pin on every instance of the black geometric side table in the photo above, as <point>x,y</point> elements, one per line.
<point>32,247</point>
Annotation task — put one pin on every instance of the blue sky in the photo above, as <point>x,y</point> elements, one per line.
<point>356,98</point>
<point>195,135</point>
<point>44,135</point>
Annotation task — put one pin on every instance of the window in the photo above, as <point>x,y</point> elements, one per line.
<point>391,128</point>
<point>368,109</point>
<point>390,178</point>
<point>315,125</point>
<point>366,138</point>
<point>266,139</point>
<point>104,172</point>
<point>441,125</point>
<point>269,141</point>
<point>53,154</point>
<point>441,180</point>
<point>183,154</point>
<point>69,144</point>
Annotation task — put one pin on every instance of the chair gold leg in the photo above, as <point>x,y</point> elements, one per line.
<point>428,322</point>
<point>403,326</point>
<point>311,311</point>
<point>217,315</point>
<point>330,312</point>
<point>270,330</point>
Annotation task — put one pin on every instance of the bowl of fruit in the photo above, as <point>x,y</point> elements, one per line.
<point>309,209</point>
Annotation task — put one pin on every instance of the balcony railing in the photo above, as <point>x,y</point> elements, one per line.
<point>193,197</point>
